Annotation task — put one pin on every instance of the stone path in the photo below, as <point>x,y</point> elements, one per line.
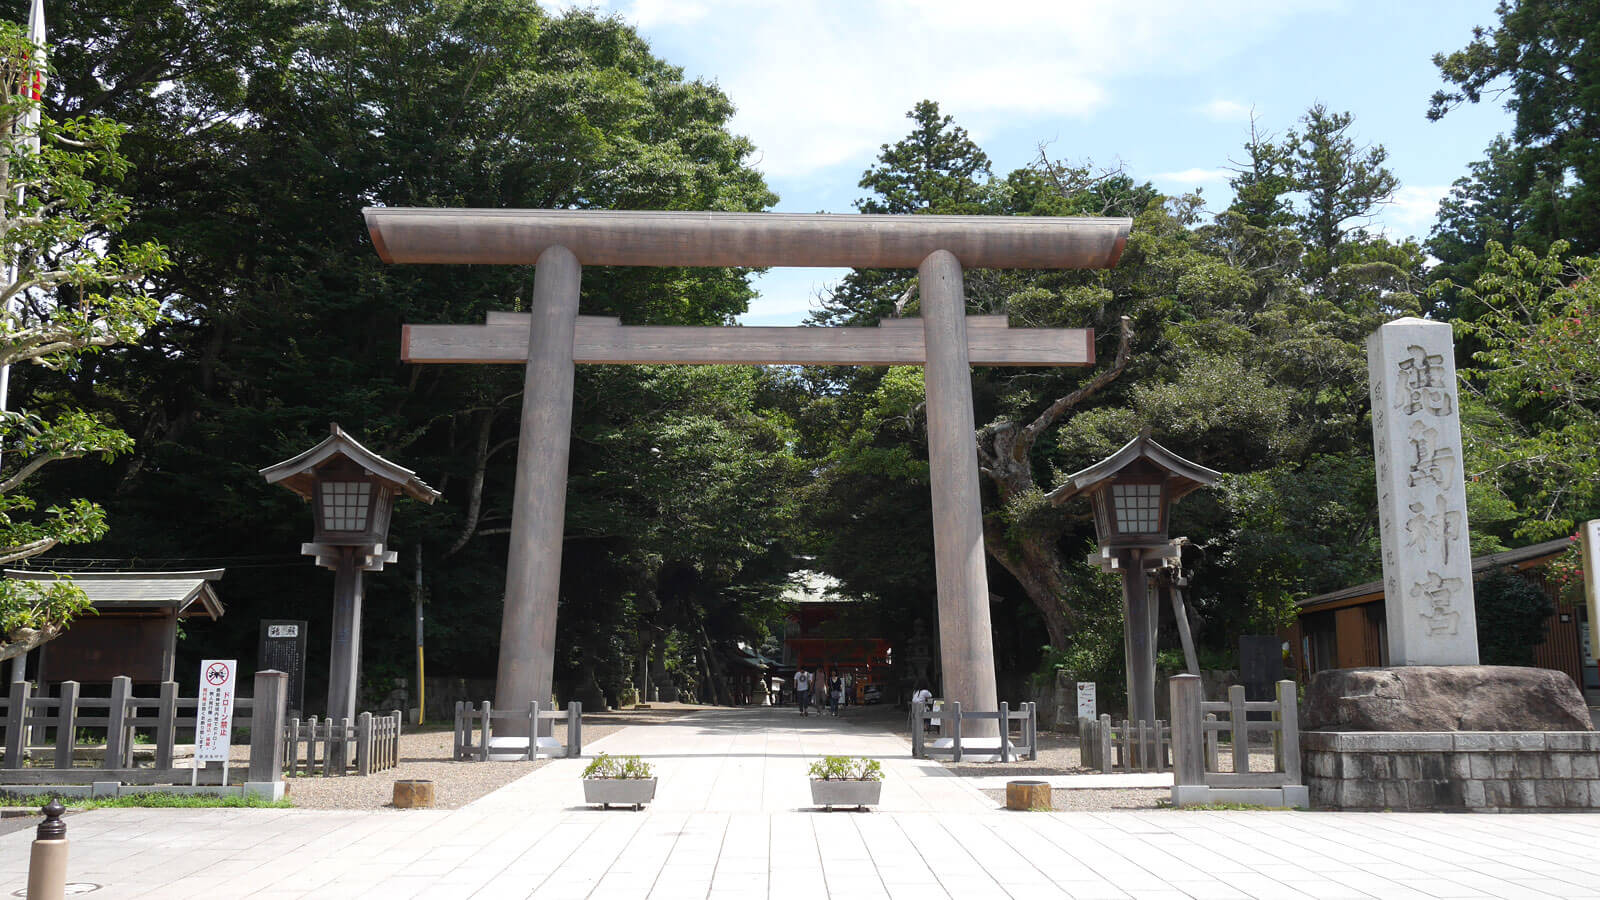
<point>727,824</point>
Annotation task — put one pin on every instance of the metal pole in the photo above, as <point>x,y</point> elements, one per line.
<point>539,499</point>
<point>966,644</point>
<point>1141,649</point>
<point>422,704</point>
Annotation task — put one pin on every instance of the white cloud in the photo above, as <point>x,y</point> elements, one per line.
<point>1194,176</point>
<point>1413,209</point>
<point>1228,111</point>
<point>819,83</point>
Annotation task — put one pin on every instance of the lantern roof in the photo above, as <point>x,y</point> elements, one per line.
<point>299,473</point>
<point>1182,476</point>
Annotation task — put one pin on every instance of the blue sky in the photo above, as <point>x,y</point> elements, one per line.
<point>1165,88</point>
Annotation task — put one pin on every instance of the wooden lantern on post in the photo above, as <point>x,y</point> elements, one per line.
<point>352,491</point>
<point>1132,491</point>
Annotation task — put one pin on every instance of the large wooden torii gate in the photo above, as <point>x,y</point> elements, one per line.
<point>552,337</point>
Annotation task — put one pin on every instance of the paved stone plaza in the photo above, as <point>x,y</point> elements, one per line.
<point>731,820</point>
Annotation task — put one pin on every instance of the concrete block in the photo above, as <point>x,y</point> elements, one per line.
<point>1505,765</point>
<point>1549,793</point>
<point>1405,766</point>
<point>1594,794</point>
<point>1190,795</point>
<point>1422,741</point>
<point>266,790</point>
<point>1472,795</point>
<point>1523,793</point>
<point>1321,765</point>
<point>1461,766</point>
<point>1253,796</point>
<point>1585,765</point>
<point>1324,793</point>
<point>1473,740</point>
<point>1433,766</point>
<point>1297,796</point>
<point>1482,765</point>
<point>1564,740</point>
<point>1355,794</point>
<point>1496,793</point>
<point>1531,765</point>
<point>1558,765</point>
<point>104,788</point>
<point>1523,740</point>
<point>1394,795</point>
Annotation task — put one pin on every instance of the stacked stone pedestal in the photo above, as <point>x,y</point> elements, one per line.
<point>1417,738</point>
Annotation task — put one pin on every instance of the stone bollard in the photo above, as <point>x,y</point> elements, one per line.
<point>413,794</point>
<point>1028,795</point>
<point>47,867</point>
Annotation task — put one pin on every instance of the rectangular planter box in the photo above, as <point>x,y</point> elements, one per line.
<point>860,794</point>
<point>607,792</point>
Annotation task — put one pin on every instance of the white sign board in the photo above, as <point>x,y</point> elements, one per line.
<point>283,631</point>
<point>1085,699</point>
<point>1591,586</point>
<point>213,730</point>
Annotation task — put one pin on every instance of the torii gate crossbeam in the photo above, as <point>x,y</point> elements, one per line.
<point>553,337</point>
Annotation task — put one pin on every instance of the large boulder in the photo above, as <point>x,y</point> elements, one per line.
<point>1444,698</point>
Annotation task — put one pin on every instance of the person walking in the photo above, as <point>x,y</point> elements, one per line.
<point>802,689</point>
<point>835,694</point>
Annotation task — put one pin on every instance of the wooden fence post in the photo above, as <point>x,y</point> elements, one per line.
<point>1188,764</point>
<point>17,723</point>
<point>918,709</point>
<point>66,724</point>
<point>364,744</point>
<point>269,703</point>
<point>166,724</point>
<point>1211,742</point>
<point>955,713</point>
<point>1107,754</point>
<point>1033,731</point>
<point>574,729</point>
<point>1289,719</point>
<point>345,732</point>
<point>488,728</point>
<point>460,744</point>
<point>117,723</point>
<point>1239,728</point>
<point>533,730</point>
<point>1005,732</point>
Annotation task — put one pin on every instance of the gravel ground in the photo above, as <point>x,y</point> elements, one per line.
<point>1058,755</point>
<point>425,755</point>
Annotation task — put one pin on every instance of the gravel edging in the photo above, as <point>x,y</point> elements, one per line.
<point>426,755</point>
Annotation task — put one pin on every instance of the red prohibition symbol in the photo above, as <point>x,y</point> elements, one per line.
<point>217,673</point>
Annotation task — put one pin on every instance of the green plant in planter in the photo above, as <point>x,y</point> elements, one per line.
<point>847,768</point>
<point>605,766</point>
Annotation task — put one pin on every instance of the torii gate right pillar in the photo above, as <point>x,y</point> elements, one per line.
<point>966,643</point>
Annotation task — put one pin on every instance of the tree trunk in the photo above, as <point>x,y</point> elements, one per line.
<point>1037,565</point>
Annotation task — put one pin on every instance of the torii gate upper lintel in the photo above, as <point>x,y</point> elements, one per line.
<point>553,337</point>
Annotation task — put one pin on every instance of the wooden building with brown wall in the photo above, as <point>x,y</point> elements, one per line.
<point>1347,628</point>
<point>133,630</point>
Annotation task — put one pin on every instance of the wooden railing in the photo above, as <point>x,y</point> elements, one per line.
<point>1130,747</point>
<point>58,722</point>
<point>1196,762</point>
<point>949,715</point>
<point>475,728</point>
<point>328,745</point>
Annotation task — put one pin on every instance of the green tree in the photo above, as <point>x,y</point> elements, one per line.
<point>1543,56</point>
<point>1536,413</point>
<point>70,290</point>
<point>1513,618</point>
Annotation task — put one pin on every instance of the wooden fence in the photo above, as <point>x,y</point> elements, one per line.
<point>1130,747</point>
<point>950,716</point>
<point>1198,773</point>
<point>327,745</point>
<point>113,725</point>
<point>475,728</point>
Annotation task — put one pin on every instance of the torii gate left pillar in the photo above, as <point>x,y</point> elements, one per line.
<point>559,242</point>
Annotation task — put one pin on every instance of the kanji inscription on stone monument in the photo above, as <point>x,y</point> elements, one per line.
<point>1422,498</point>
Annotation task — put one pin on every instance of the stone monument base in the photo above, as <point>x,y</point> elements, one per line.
<point>1466,738</point>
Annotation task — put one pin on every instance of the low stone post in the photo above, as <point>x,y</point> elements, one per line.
<point>575,729</point>
<point>117,748</point>
<point>16,723</point>
<point>1188,760</point>
<point>268,706</point>
<point>47,865</point>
